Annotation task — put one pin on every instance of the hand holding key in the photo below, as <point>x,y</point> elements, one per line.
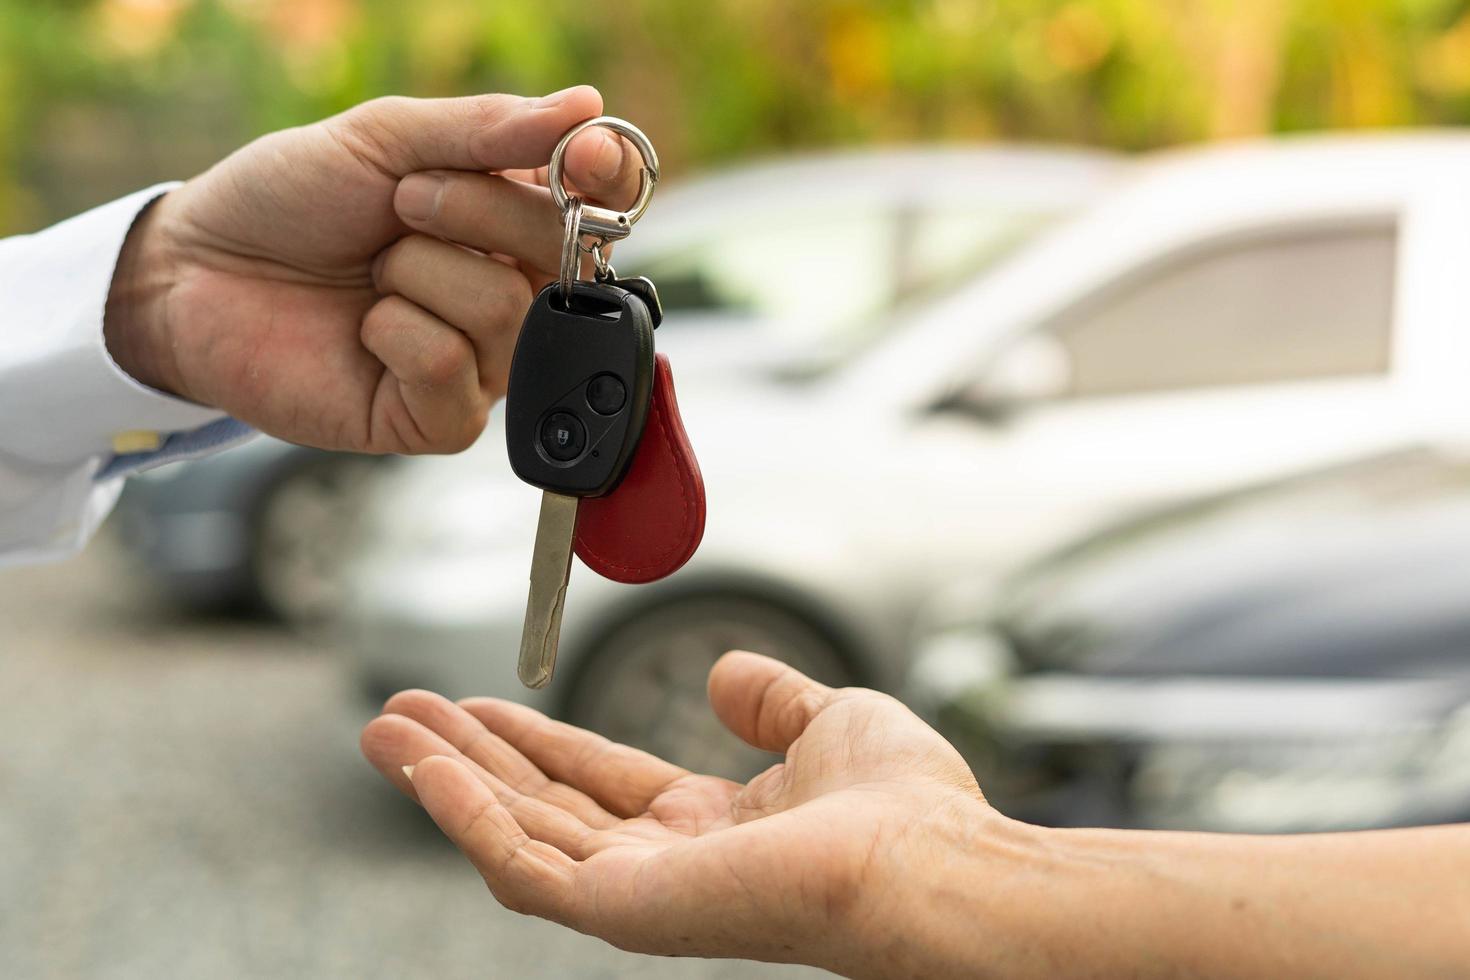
<point>795,866</point>
<point>314,285</point>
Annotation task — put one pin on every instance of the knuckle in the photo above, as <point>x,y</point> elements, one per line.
<point>476,422</point>
<point>483,116</point>
<point>425,357</point>
<point>521,294</point>
<point>502,298</point>
<point>372,129</point>
<point>464,438</point>
<point>382,107</point>
<point>441,363</point>
<point>798,709</point>
<point>487,110</point>
<point>512,298</point>
<point>366,124</point>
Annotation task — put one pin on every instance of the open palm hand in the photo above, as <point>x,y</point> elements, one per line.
<point>620,844</point>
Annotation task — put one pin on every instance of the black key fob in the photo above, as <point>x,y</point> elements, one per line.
<point>580,384</point>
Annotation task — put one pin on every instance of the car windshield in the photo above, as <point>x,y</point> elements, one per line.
<point>823,287</point>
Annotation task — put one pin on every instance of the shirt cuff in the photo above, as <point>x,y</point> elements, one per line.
<point>62,397</point>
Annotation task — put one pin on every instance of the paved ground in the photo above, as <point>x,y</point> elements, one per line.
<point>185,799</point>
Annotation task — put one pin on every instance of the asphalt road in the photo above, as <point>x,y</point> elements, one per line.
<point>184,798</point>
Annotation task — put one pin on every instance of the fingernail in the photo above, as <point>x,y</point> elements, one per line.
<point>608,161</point>
<point>419,196</point>
<point>555,98</point>
<point>408,771</point>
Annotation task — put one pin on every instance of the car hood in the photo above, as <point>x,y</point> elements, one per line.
<point>1360,573</point>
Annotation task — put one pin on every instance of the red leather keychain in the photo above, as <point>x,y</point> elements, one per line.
<point>652,522</point>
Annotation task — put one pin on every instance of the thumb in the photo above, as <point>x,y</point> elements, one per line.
<point>479,132</point>
<point>765,702</point>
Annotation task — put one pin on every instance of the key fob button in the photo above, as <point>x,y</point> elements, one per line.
<point>563,436</point>
<point>606,394</point>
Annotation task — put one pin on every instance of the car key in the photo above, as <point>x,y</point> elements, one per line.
<point>580,384</point>
<point>583,385</point>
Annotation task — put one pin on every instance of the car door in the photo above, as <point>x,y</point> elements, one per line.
<point>1228,361</point>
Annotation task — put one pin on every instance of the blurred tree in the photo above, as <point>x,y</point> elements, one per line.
<point>100,96</point>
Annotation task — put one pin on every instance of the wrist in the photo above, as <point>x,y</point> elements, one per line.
<point>940,900</point>
<point>974,893</point>
<point>136,326</point>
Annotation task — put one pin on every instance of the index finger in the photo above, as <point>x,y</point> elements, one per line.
<point>489,213</point>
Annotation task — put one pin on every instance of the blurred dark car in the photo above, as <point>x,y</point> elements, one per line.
<point>1289,658</point>
<point>263,529</point>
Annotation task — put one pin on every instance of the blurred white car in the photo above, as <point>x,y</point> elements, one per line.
<point>1224,316</point>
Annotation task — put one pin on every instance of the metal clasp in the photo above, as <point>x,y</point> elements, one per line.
<point>604,225</point>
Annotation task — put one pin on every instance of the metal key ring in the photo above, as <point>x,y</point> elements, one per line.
<point>571,247</point>
<point>605,223</point>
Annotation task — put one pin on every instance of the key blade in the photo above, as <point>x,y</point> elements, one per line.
<point>551,564</point>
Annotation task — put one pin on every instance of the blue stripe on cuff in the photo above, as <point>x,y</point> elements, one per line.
<point>179,445</point>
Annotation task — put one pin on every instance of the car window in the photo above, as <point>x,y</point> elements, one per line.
<point>1275,307</point>
<point>823,277</point>
<point>939,249</point>
<point>796,269</point>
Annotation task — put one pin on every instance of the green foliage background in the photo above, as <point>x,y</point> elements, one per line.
<point>101,96</point>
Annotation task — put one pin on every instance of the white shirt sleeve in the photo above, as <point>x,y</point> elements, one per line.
<point>68,413</point>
